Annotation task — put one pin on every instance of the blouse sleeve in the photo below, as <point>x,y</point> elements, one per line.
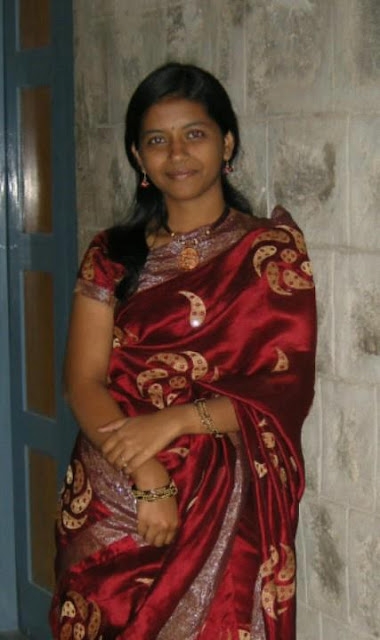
<point>98,276</point>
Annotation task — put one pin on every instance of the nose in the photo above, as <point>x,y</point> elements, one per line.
<point>177,147</point>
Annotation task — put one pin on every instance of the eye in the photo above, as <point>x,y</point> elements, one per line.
<point>157,139</point>
<point>195,133</point>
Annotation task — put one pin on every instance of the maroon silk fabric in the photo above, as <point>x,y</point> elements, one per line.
<point>242,325</point>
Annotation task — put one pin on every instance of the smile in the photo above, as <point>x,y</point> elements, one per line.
<point>180,175</point>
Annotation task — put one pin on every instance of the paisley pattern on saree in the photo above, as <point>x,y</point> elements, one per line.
<point>88,268</point>
<point>197,308</point>
<point>280,587</point>
<point>177,371</point>
<point>274,455</point>
<point>83,618</point>
<point>292,271</point>
<point>282,363</point>
<point>123,337</point>
<point>75,499</point>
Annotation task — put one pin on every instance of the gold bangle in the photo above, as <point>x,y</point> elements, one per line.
<point>151,495</point>
<point>205,418</point>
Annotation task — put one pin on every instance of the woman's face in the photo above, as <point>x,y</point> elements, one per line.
<point>182,149</point>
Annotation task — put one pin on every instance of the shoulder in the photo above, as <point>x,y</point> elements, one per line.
<point>278,251</point>
<point>279,217</point>
<point>99,273</point>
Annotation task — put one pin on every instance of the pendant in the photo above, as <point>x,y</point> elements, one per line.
<point>188,258</point>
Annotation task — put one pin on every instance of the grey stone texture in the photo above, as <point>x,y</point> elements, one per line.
<point>364,571</point>
<point>304,78</point>
<point>325,535</point>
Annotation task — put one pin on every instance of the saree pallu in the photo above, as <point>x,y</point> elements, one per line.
<point>241,325</point>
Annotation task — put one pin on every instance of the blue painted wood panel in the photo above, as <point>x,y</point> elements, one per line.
<point>54,253</point>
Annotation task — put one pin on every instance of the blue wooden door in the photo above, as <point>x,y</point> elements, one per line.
<point>41,266</point>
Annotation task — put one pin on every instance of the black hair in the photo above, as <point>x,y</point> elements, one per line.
<point>127,244</point>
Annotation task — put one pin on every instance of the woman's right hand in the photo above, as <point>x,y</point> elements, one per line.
<point>157,522</point>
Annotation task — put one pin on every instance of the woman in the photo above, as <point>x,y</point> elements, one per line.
<point>190,367</point>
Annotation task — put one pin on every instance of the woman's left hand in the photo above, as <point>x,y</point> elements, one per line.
<point>133,441</point>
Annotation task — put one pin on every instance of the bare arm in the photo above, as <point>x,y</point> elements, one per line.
<point>139,439</point>
<point>85,379</point>
<point>86,364</point>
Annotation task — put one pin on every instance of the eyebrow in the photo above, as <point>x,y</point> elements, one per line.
<point>149,132</point>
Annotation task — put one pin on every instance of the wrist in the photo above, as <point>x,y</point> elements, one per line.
<point>150,475</point>
<point>181,420</point>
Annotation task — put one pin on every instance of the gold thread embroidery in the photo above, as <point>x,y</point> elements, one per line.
<point>288,571</point>
<point>79,477</point>
<point>190,363</point>
<point>275,591</point>
<point>267,568</point>
<point>147,581</point>
<point>88,271</point>
<point>200,366</point>
<point>298,237</point>
<point>268,598</point>
<point>197,308</point>
<point>283,476</point>
<point>272,234</point>
<point>261,469</point>
<point>307,268</point>
<point>282,363</point>
<point>273,276</point>
<point>289,255</point>
<point>122,338</point>
<point>76,497</point>
<point>293,280</point>
<point>262,254</point>
<point>269,439</point>
<point>79,631</point>
<point>88,612</point>
<point>68,610</point>
<point>174,360</point>
<point>281,280</point>
<point>274,459</point>
<point>147,376</point>
<point>177,382</point>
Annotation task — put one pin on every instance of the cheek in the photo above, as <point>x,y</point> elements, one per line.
<point>152,161</point>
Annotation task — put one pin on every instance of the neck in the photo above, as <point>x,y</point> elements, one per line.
<point>189,215</point>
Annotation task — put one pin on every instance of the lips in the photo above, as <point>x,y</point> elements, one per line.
<point>181,174</point>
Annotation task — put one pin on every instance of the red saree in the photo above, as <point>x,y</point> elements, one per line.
<point>242,325</point>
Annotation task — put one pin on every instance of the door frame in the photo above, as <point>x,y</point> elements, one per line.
<point>8,597</point>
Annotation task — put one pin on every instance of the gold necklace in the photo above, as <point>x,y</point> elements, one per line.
<point>189,257</point>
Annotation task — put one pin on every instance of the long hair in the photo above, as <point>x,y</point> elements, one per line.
<point>127,243</point>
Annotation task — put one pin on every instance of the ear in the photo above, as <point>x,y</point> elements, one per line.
<point>137,156</point>
<point>229,144</point>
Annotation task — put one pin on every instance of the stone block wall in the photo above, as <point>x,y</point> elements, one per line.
<point>304,76</point>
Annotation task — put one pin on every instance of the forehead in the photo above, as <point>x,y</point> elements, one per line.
<point>172,112</point>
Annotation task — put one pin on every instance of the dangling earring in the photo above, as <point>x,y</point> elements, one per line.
<point>144,182</point>
<point>227,169</point>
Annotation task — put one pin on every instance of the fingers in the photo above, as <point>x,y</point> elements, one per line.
<point>170,537</point>
<point>115,425</point>
<point>159,537</point>
<point>158,522</point>
<point>118,456</point>
<point>142,529</point>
